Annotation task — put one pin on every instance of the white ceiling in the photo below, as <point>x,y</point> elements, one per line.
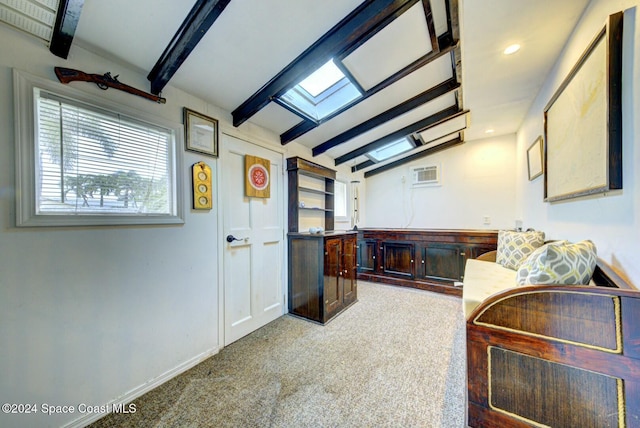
<point>499,89</point>
<point>252,41</point>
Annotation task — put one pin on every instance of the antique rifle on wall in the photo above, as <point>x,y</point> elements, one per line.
<point>104,81</point>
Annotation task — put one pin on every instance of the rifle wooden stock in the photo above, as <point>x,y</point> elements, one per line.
<point>104,81</point>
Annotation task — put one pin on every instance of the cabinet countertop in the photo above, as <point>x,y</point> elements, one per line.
<point>416,230</point>
<point>323,234</point>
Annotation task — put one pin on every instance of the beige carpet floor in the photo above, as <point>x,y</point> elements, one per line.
<point>394,359</point>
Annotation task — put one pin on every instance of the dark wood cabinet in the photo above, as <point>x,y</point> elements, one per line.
<point>322,274</point>
<point>397,258</point>
<point>441,262</point>
<point>421,258</point>
<point>367,255</point>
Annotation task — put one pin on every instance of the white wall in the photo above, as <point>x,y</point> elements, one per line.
<point>611,221</point>
<point>93,315</point>
<point>477,181</point>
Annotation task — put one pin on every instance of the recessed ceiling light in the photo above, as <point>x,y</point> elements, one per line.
<point>511,49</point>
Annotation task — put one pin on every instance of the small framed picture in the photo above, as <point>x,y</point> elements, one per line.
<point>201,133</point>
<point>534,158</point>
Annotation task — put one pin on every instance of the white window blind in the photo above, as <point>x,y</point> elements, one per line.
<point>92,161</point>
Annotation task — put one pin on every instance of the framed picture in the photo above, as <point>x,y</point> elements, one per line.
<point>583,122</point>
<point>257,182</point>
<point>201,133</point>
<point>534,158</point>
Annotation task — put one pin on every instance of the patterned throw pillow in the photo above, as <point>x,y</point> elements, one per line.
<point>514,247</point>
<point>559,263</point>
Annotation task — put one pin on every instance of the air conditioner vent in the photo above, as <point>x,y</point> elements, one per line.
<point>426,175</point>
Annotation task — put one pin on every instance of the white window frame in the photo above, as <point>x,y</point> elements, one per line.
<point>346,201</point>
<point>25,107</point>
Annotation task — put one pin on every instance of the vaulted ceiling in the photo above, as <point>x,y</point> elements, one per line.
<point>430,73</point>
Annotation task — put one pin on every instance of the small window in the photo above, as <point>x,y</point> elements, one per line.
<point>88,165</point>
<point>340,201</point>
<point>322,93</point>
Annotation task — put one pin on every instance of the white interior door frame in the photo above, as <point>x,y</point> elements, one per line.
<point>234,133</point>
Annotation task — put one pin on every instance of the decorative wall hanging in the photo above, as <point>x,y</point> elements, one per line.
<point>583,122</point>
<point>104,82</point>
<point>202,194</point>
<point>201,133</point>
<point>257,177</point>
<point>534,158</point>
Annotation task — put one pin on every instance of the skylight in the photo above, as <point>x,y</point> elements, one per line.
<point>390,150</point>
<point>322,79</point>
<point>322,93</point>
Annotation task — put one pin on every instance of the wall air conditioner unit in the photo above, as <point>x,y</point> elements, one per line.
<point>426,175</point>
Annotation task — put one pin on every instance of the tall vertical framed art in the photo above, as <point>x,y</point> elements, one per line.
<point>534,159</point>
<point>583,122</point>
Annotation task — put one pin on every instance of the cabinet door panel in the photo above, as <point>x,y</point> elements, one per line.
<point>398,258</point>
<point>349,270</point>
<point>332,277</point>
<point>367,255</point>
<point>441,262</point>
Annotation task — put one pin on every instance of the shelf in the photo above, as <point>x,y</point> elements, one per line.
<point>316,191</point>
<point>319,194</point>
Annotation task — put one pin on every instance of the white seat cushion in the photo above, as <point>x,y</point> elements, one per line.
<point>481,280</point>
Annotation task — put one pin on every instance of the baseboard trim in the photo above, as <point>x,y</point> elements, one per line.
<point>445,287</point>
<point>142,389</point>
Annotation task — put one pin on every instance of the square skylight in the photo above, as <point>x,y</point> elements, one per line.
<point>322,79</point>
<point>322,93</point>
<point>390,150</point>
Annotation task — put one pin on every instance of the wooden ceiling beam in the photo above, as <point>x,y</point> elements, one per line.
<point>435,45</point>
<point>304,127</point>
<point>420,99</point>
<point>426,152</point>
<point>361,24</point>
<point>403,132</point>
<point>201,17</point>
<point>65,27</point>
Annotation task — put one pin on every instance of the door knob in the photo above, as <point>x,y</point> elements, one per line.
<point>231,238</point>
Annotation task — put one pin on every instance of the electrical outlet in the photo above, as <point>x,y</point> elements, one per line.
<point>486,219</point>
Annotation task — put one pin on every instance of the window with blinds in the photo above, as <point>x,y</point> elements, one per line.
<point>84,161</point>
<point>98,162</point>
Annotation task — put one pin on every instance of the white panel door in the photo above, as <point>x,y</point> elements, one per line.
<point>254,259</point>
